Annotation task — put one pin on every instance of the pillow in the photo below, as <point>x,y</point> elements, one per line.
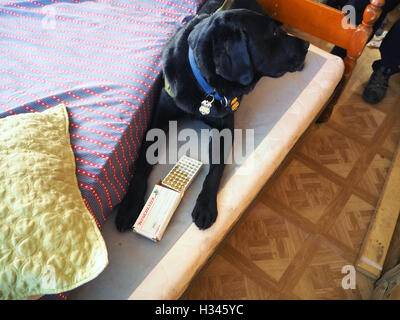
<point>49,241</point>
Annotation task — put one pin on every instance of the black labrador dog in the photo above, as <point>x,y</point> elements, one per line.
<point>230,50</point>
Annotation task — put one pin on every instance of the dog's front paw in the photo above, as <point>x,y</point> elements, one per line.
<point>205,212</point>
<point>128,212</point>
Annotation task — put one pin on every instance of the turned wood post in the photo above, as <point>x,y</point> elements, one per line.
<point>355,47</point>
<point>361,35</point>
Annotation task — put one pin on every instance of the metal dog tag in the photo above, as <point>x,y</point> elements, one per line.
<point>205,107</point>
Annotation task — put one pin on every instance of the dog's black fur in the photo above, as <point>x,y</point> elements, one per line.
<point>233,49</point>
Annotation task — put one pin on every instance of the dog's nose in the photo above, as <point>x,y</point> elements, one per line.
<point>306,45</point>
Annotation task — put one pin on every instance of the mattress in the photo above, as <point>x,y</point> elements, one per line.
<point>278,111</point>
<point>102,60</point>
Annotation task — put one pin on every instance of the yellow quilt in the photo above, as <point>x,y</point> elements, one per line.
<point>49,241</point>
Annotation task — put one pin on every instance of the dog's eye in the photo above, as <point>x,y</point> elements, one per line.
<point>280,30</point>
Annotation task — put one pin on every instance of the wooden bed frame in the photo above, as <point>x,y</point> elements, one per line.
<point>325,23</point>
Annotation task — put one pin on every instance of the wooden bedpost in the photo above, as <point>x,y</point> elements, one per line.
<point>362,34</point>
<point>357,43</point>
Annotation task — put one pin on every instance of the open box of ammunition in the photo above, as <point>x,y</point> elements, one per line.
<point>165,198</point>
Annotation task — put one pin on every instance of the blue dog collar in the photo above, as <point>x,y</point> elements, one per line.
<point>202,82</point>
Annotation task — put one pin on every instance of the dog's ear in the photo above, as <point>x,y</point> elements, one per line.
<point>231,57</point>
<point>258,53</point>
<point>263,42</point>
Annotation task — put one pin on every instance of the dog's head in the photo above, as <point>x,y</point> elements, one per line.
<point>240,46</point>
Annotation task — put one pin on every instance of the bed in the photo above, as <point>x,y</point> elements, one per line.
<point>102,60</point>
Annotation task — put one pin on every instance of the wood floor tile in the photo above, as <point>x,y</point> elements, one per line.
<point>374,177</point>
<point>322,279</point>
<point>296,269</point>
<point>358,117</point>
<point>332,149</point>
<point>394,137</point>
<point>268,240</point>
<point>304,190</point>
<point>352,223</point>
<point>221,280</point>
